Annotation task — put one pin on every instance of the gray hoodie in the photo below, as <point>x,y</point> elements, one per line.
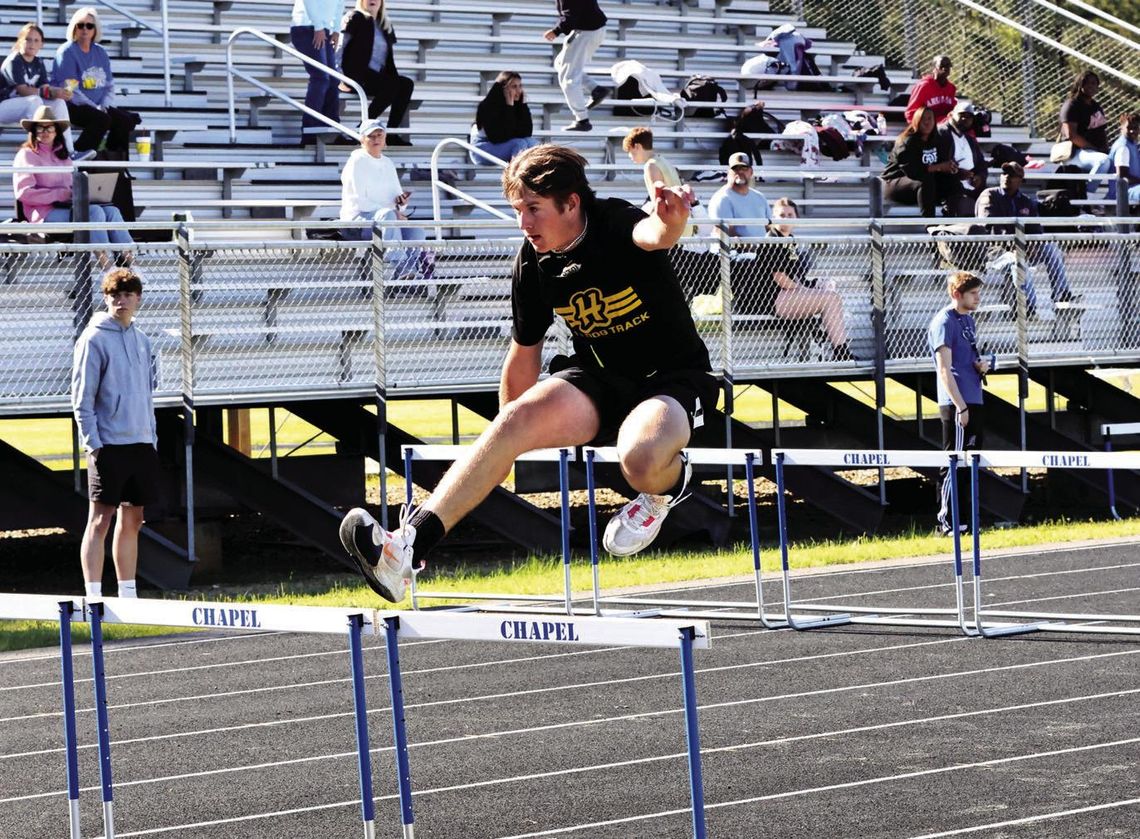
<point>113,378</point>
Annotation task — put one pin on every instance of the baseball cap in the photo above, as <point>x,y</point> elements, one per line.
<point>371,125</point>
<point>740,158</point>
<point>964,106</point>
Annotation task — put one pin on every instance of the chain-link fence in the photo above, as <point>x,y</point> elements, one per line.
<point>1021,76</point>
<point>295,318</point>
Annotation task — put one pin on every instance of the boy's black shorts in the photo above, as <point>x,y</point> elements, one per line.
<point>128,474</point>
<point>616,396</point>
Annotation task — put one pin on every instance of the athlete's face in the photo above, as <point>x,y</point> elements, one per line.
<point>968,301</point>
<point>545,226</point>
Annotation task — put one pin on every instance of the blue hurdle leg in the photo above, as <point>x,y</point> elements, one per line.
<point>399,733</point>
<point>71,749</point>
<point>692,732</point>
<point>564,486</point>
<point>95,614</point>
<point>360,709</point>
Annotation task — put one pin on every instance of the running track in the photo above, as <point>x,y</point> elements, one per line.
<point>855,731</point>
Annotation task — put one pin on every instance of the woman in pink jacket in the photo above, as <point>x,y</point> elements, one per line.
<point>46,196</point>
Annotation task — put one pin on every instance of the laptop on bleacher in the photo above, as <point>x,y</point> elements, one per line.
<point>101,186</point>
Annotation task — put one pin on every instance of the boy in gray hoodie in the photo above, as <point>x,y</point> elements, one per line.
<point>113,378</point>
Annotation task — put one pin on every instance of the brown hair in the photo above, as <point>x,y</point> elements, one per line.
<point>506,76</point>
<point>915,122</point>
<point>121,279</point>
<point>23,33</point>
<point>784,201</point>
<point>1128,119</point>
<point>1013,169</point>
<point>959,282</point>
<point>548,170</point>
<point>641,136</point>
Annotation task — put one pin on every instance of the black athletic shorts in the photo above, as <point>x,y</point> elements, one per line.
<point>616,396</point>
<point>124,475</point>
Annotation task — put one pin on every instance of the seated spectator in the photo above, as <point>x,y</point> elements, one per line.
<point>1084,124</point>
<point>368,57</point>
<point>1124,158</point>
<point>24,87</point>
<point>917,171</point>
<point>795,295</point>
<point>738,200</point>
<point>371,191</point>
<point>503,125</point>
<point>958,144</point>
<point>84,68</point>
<point>1008,201</point>
<point>313,33</point>
<point>934,91</point>
<point>46,196</point>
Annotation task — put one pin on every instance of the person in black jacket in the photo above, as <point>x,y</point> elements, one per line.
<point>956,137</point>
<point>503,125</point>
<point>584,25</point>
<point>368,58</point>
<point>916,172</point>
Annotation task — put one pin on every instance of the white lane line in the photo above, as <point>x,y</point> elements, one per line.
<point>627,717</point>
<point>644,817</point>
<point>884,779</point>
<point>1040,817</point>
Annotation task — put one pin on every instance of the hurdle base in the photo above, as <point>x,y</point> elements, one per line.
<point>816,622</point>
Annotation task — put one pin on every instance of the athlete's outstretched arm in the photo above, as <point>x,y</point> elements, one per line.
<point>665,225</point>
<point>520,371</point>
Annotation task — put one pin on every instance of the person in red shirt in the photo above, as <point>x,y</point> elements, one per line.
<point>934,91</point>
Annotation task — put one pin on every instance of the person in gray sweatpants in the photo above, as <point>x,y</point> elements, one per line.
<point>583,23</point>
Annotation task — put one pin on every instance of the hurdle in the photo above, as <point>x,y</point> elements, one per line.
<point>1108,429</point>
<point>643,606</point>
<point>65,610</point>
<point>355,622</point>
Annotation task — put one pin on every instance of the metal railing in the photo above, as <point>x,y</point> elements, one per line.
<point>438,186</point>
<point>232,72</point>
<point>258,322</point>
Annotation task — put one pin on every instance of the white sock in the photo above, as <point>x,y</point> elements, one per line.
<point>93,589</point>
<point>127,588</point>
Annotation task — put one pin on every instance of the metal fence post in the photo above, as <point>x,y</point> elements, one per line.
<point>875,196</point>
<point>1020,279</point>
<point>379,363</point>
<point>186,349</point>
<point>879,329</point>
<point>82,300</point>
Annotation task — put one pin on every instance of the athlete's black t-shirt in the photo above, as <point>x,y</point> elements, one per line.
<point>623,305</point>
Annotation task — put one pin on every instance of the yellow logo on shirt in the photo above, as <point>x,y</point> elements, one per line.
<point>594,314</point>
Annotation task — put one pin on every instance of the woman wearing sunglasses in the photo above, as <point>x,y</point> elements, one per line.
<point>84,68</point>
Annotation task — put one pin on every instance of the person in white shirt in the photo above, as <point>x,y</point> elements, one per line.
<point>371,191</point>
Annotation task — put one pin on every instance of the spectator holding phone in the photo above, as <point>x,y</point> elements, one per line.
<point>371,191</point>
<point>503,125</point>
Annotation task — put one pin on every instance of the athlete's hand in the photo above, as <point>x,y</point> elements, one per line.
<point>671,203</point>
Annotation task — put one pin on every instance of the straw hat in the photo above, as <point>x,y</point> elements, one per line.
<point>44,115</point>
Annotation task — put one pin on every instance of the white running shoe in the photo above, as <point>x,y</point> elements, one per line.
<point>637,523</point>
<point>383,557</point>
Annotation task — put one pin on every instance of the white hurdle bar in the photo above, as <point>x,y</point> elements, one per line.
<point>356,622</point>
<point>977,626</point>
<point>589,455</point>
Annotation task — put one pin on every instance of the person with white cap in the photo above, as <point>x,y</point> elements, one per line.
<point>371,191</point>
<point>46,196</point>
<point>956,138</point>
<point>738,200</point>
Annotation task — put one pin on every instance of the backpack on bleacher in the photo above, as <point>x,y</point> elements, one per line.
<point>765,65</point>
<point>630,89</point>
<point>808,67</point>
<point>831,142</point>
<point>738,141</point>
<point>754,120</point>
<point>704,89</point>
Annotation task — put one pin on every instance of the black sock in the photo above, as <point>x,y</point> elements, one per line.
<point>429,530</point>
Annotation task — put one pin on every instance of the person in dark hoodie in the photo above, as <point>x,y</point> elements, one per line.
<point>503,125</point>
<point>368,47</point>
<point>584,25</point>
<point>934,91</point>
<point>918,172</point>
<point>113,377</point>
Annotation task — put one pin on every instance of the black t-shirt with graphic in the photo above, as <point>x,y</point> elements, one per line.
<point>623,305</point>
<point>1089,119</point>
